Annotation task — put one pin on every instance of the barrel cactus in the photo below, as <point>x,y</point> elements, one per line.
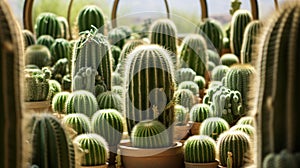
<point>219,72</point>
<point>110,100</point>
<point>59,101</point>
<point>90,16</point>
<point>200,81</point>
<point>199,112</point>
<point>246,120</point>
<point>248,129</point>
<point>213,56</point>
<point>60,69</point>
<point>45,40</point>
<point>59,49</point>
<point>54,88</point>
<point>191,85</point>
<point>37,55</point>
<point>47,24</point>
<point>66,83</point>
<point>185,97</point>
<point>282,159</point>
<point>184,74</point>
<point>28,38</point>
<point>80,123</point>
<point>64,27</point>
<point>181,114</point>
<point>213,127</point>
<point>229,59</point>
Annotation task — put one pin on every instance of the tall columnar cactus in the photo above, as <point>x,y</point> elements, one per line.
<point>213,56</point>
<point>191,85</point>
<point>80,123</point>
<point>239,21</point>
<point>219,72</point>
<point>229,59</point>
<point>194,54</point>
<point>95,147</point>
<point>250,39</point>
<point>278,71</point>
<point>47,24</point>
<point>45,40</point>
<point>149,134</point>
<point>238,78</point>
<point>181,114</point>
<point>110,100</point>
<point>283,159</point>
<point>236,142</point>
<point>184,74</point>
<point>247,120</point>
<point>38,55</point>
<point>59,49</point>
<point>200,149</point>
<point>90,16</point>
<point>28,38</point>
<point>64,27</point>
<point>164,33</point>
<point>149,87</point>
<point>213,127</point>
<point>214,33</point>
<point>51,145</point>
<point>81,101</point>
<point>93,50</point>
<point>59,101</point>
<point>185,97</point>
<point>84,79</point>
<point>199,112</point>
<point>11,97</point>
<point>117,37</point>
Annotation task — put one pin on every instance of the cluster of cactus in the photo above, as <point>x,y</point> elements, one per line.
<point>199,112</point>
<point>11,54</point>
<point>110,100</point>
<point>181,114</point>
<point>190,85</point>
<point>213,127</point>
<point>80,123</point>
<point>47,24</point>
<point>229,59</point>
<point>59,49</point>
<point>90,16</point>
<point>59,101</point>
<point>45,40</point>
<point>184,74</point>
<point>117,37</point>
<point>84,79</point>
<point>219,72</point>
<point>28,38</point>
<point>149,87</point>
<point>38,55</point>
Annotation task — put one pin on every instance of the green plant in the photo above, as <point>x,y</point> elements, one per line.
<point>248,129</point>
<point>115,51</point>
<point>213,127</point>
<point>213,56</point>
<point>59,101</point>
<point>199,112</point>
<point>45,40</point>
<point>84,79</point>
<point>185,97</point>
<point>47,24</point>
<point>200,149</point>
<point>38,55</point>
<point>118,90</point>
<point>54,88</point>
<point>28,37</point>
<point>210,66</point>
<point>90,16</point>
<point>64,25</point>
<point>229,59</point>
<point>128,47</point>
<point>184,74</point>
<point>247,120</point>
<point>117,79</point>
<point>200,81</point>
<point>117,37</point>
<point>219,72</point>
<point>59,49</point>
<point>110,100</point>
<point>235,5</point>
<point>78,122</point>
<point>66,83</point>
<point>181,114</point>
<point>191,85</point>
<point>282,159</point>
<point>60,69</point>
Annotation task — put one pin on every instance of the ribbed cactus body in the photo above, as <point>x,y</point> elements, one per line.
<point>109,124</point>
<point>185,97</point>
<point>200,81</point>
<point>11,98</point>
<point>236,142</point>
<point>248,129</point>
<point>54,88</point>
<point>200,149</point>
<point>199,112</point>
<point>110,100</point>
<point>247,120</point>
<point>117,37</point>
<point>240,19</point>
<point>51,145</point>
<point>64,27</point>
<point>210,66</point>
<point>90,16</point>
<point>194,54</point>
<point>115,52</point>
<point>213,56</point>
<point>84,79</point>
<point>129,46</point>
<point>184,74</point>
<point>117,79</point>
<point>47,24</point>
<point>37,55</point>
<point>250,39</point>
<point>149,87</point>
<point>181,114</point>
<point>219,72</point>
<point>45,40</point>
<point>213,127</point>
<point>59,101</point>
<point>281,160</point>
<point>81,101</point>
<point>213,31</point>
<point>60,69</point>
<point>229,59</point>
<point>96,149</point>
<point>80,123</point>
<point>149,134</point>
<point>59,49</point>
<point>28,37</point>
<point>190,85</point>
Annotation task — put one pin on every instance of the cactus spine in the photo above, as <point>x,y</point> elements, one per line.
<point>219,72</point>
<point>199,112</point>
<point>184,74</point>
<point>181,114</point>
<point>109,100</point>
<point>213,127</point>
<point>90,16</point>
<point>38,55</point>
<point>47,24</point>
<point>78,122</point>
<point>192,86</point>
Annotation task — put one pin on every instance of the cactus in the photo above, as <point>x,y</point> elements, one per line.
<point>90,16</point>
<point>283,159</point>
<point>213,127</point>
<point>185,97</point>
<point>181,114</point>
<point>11,62</point>
<point>117,37</point>
<point>38,55</point>
<point>47,24</point>
<point>85,79</point>
<point>250,40</point>
<point>81,101</point>
<point>54,88</point>
<point>219,72</point>
<point>200,149</point>
<point>95,147</point>
<point>72,45</point>
<point>149,134</point>
<point>164,33</point>
<point>248,129</point>
<point>200,81</point>
<point>109,100</point>
<point>128,47</point>
<point>45,40</point>
<point>194,54</point>
<point>236,142</point>
<point>213,56</point>
<point>28,38</point>
<point>64,27</point>
<point>211,29</point>
<point>149,87</point>
<point>66,83</point>
<point>117,80</point>
<point>60,69</point>
<point>51,145</point>
<point>118,90</point>
<point>247,120</point>
<point>210,66</point>
<point>235,5</point>
<point>59,101</point>
<point>239,21</point>
<point>36,84</point>
<point>229,59</point>
<point>115,51</point>
<point>78,122</point>
<point>199,112</point>
<point>184,74</point>
<point>126,30</point>
<point>192,86</point>
<point>59,49</point>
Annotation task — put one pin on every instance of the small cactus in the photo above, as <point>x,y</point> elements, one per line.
<point>229,59</point>
<point>247,120</point>
<point>84,79</point>
<point>281,160</point>
<point>80,123</point>
<point>64,27</point>
<point>190,85</point>
<point>213,56</point>
<point>28,38</point>
<point>59,101</point>
<point>219,72</point>
<point>199,112</point>
<point>45,40</point>
<point>185,97</point>
<point>59,49</point>
<point>213,127</point>
<point>109,100</point>
<point>116,37</point>
<point>90,16</point>
<point>184,74</point>
<point>47,24</point>
<point>38,55</point>
<point>181,114</point>
<point>200,81</point>
<point>248,129</point>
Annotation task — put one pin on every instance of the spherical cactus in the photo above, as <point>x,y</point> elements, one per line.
<point>45,40</point>
<point>199,112</point>
<point>282,159</point>
<point>149,134</point>
<point>248,129</point>
<point>229,59</point>
<point>213,127</point>
<point>59,49</point>
<point>236,142</point>
<point>28,38</point>
<point>64,27</point>
<point>95,147</point>
<point>109,100</point>
<point>247,120</point>
<point>213,56</point>
<point>116,37</point>
<point>200,149</point>
<point>47,24</point>
<point>37,55</point>
<point>54,88</point>
<point>194,54</point>
<point>115,52</point>
<point>210,66</point>
<point>219,72</point>
<point>200,81</point>
<point>192,86</point>
<point>80,123</point>
<point>90,16</point>
<point>81,101</point>
<point>184,74</point>
<point>59,101</point>
<point>181,115</point>
<point>126,30</point>
<point>185,97</point>
<point>60,69</point>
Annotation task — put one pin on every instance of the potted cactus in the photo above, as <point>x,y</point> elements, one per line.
<point>198,114</point>
<point>213,127</point>
<point>80,123</point>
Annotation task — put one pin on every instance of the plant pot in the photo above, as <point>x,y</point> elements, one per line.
<point>202,165</point>
<point>37,106</point>
<point>181,132</point>
<point>148,158</point>
<point>195,129</point>
<point>98,166</point>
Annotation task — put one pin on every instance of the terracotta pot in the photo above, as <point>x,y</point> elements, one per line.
<point>202,165</point>
<point>99,166</point>
<point>149,158</point>
<point>181,132</point>
<point>37,106</point>
<point>195,130</point>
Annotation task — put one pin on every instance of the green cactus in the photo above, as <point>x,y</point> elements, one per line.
<point>126,30</point>
<point>117,79</point>
<point>28,38</point>
<point>247,120</point>
<point>84,79</point>
<point>194,54</point>
<point>81,101</point>
<point>59,49</point>
<point>64,27</point>
<point>213,127</point>
<point>72,45</point>
<point>45,40</point>
<point>200,149</point>
<point>80,123</point>
<point>149,87</point>
<point>213,56</point>
<point>95,147</point>
<point>251,33</point>
<point>248,129</point>
<point>109,100</point>
<point>60,69</point>
<point>199,112</point>
<point>54,88</point>
<point>117,37</point>
<point>219,72</point>
<point>149,134</point>
<point>115,51</point>
<point>66,83</point>
<point>191,85</point>
<point>11,99</point>
<point>59,101</point>
<point>50,142</point>
<point>210,66</point>
<point>128,47</point>
<point>239,21</point>
<point>200,81</point>
<point>47,24</point>
<point>212,29</point>
<point>118,90</point>
<point>181,114</point>
<point>185,97</point>
<point>38,55</point>
<point>236,142</point>
<point>281,160</point>
<point>184,74</point>
<point>229,59</point>
<point>90,16</point>
<point>235,5</point>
